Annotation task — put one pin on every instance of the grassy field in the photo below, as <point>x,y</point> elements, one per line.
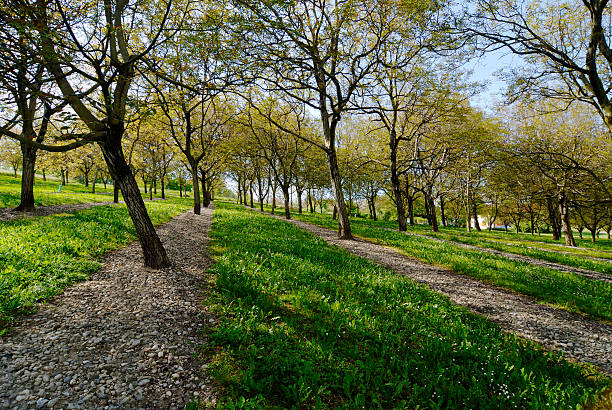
<point>303,324</point>
<point>565,290</point>
<point>46,192</point>
<point>41,256</point>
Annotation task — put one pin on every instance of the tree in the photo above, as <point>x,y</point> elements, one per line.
<point>567,44</point>
<point>317,54</point>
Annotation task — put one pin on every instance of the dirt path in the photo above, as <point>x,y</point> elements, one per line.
<point>7,214</point>
<point>124,339</point>
<point>538,262</point>
<point>581,338</point>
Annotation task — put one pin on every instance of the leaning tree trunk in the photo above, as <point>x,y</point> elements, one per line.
<point>196,188</point>
<point>565,222</point>
<point>344,225</point>
<point>27,178</point>
<point>153,251</point>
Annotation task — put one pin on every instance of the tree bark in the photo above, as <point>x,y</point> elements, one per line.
<point>27,178</point>
<point>410,202</point>
<point>299,199</point>
<point>344,225</point>
<point>444,223</point>
<point>286,197</point>
<point>432,212</point>
<point>115,192</point>
<point>567,228</point>
<point>153,251</point>
<point>163,185</point>
<point>144,182</point>
<point>397,192</point>
<point>475,215</point>
<point>196,188</point>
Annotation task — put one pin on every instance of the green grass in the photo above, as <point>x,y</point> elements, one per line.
<point>45,192</point>
<point>303,324</point>
<point>41,256</point>
<point>565,290</point>
<point>520,248</point>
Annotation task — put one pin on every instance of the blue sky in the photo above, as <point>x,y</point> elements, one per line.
<point>484,69</point>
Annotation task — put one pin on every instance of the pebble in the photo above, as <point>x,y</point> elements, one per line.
<point>88,348</point>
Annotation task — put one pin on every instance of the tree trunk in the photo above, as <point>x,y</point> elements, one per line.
<point>274,196</point>
<point>155,185</point>
<point>180,187</point>
<point>93,183</point>
<point>580,229</point>
<point>86,178</point>
<point>144,182</point>
<point>427,212</point>
<point>163,185</point>
<point>153,251</point>
<point>310,202</point>
<point>553,218</point>
<point>373,201</point>
<point>115,192</point>
<point>27,178</point>
<point>286,198</point>
<point>260,193</point>
<point>63,175</point>
<point>251,194</point>
<point>432,212</point>
<point>475,215</point>
<point>335,213</point>
<point>205,190</point>
<point>344,225</point>
<point>594,235</point>
<point>44,174</point>
<point>444,223</point>
<point>410,202</point>
<point>299,199</point>
<point>397,193</point>
<point>567,228</point>
<point>196,188</point>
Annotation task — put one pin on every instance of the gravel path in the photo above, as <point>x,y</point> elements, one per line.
<point>538,262</point>
<point>124,339</point>
<point>8,214</point>
<point>579,337</point>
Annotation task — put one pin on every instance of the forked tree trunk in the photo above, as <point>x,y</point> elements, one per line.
<point>27,178</point>
<point>153,251</point>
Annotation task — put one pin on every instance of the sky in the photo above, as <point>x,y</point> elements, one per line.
<point>484,69</point>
